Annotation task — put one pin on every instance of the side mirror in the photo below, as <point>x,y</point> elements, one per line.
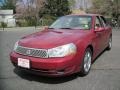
<point>99,29</point>
<point>44,28</point>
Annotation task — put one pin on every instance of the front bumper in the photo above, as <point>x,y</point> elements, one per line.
<point>48,66</point>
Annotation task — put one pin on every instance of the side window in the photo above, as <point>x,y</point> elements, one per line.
<point>103,21</point>
<point>97,22</point>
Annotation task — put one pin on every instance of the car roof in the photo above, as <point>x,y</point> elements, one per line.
<point>93,15</point>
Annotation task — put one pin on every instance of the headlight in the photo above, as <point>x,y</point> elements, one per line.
<point>62,51</point>
<point>15,46</point>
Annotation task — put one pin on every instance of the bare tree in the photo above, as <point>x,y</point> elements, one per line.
<point>39,4</point>
<point>28,10</point>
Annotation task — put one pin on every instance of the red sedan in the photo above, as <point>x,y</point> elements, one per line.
<point>68,46</point>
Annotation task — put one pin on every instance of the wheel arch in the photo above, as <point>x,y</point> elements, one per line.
<point>110,35</point>
<point>91,48</point>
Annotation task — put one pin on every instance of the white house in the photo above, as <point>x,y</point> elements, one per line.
<point>7,17</point>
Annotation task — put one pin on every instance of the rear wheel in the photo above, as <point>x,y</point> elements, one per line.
<point>86,64</point>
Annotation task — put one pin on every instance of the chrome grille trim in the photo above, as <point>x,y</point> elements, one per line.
<point>42,53</point>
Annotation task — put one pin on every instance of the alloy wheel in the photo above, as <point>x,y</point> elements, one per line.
<point>87,61</point>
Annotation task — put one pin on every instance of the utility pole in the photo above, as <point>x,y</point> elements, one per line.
<point>117,9</point>
<point>115,6</point>
<point>84,2</point>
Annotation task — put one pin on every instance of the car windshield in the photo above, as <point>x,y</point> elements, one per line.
<point>72,22</point>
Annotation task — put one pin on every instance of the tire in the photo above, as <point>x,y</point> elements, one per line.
<point>109,43</point>
<point>87,61</point>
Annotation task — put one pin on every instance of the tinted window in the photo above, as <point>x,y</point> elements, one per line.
<point>98,22</point>
<point>103,20</point>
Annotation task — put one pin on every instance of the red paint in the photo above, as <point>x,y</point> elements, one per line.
<point>52,38</point>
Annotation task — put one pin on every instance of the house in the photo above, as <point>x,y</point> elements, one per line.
<point>7,17</point>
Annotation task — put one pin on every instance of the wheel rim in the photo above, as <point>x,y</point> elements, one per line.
<point>87,61</point>
<point>110,42</point>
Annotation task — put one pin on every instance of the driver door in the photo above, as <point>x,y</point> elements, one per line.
<point>99,36</point>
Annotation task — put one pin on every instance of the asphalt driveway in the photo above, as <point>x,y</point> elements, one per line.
<point>105,73</point>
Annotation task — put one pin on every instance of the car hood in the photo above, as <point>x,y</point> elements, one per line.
<point>52,38</point>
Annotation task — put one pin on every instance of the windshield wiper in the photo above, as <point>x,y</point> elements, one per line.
<point>65,28</point>
<point>51,28</point>
<point>59,28</point>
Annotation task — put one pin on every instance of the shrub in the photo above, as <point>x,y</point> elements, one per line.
<point>31,21</point>
<point>0,25</point>
<point>46,20</point>
<point>3,25</point>
<point>21,23</point>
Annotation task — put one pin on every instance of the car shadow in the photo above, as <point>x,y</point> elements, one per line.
<point>43,79</point>
<point>50,80</point>
<point>100,55</point>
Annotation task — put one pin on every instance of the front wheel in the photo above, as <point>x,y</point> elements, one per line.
<point>86,64</point>
<point>109,43</point>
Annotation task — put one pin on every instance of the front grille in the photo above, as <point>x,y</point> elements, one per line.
<point>42,53</point>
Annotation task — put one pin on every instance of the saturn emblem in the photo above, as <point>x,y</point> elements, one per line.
<point>28,52</point>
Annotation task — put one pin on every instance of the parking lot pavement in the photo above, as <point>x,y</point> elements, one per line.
<point>105,73</point>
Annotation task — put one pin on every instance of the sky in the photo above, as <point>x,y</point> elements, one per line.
<point>1,1</point>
